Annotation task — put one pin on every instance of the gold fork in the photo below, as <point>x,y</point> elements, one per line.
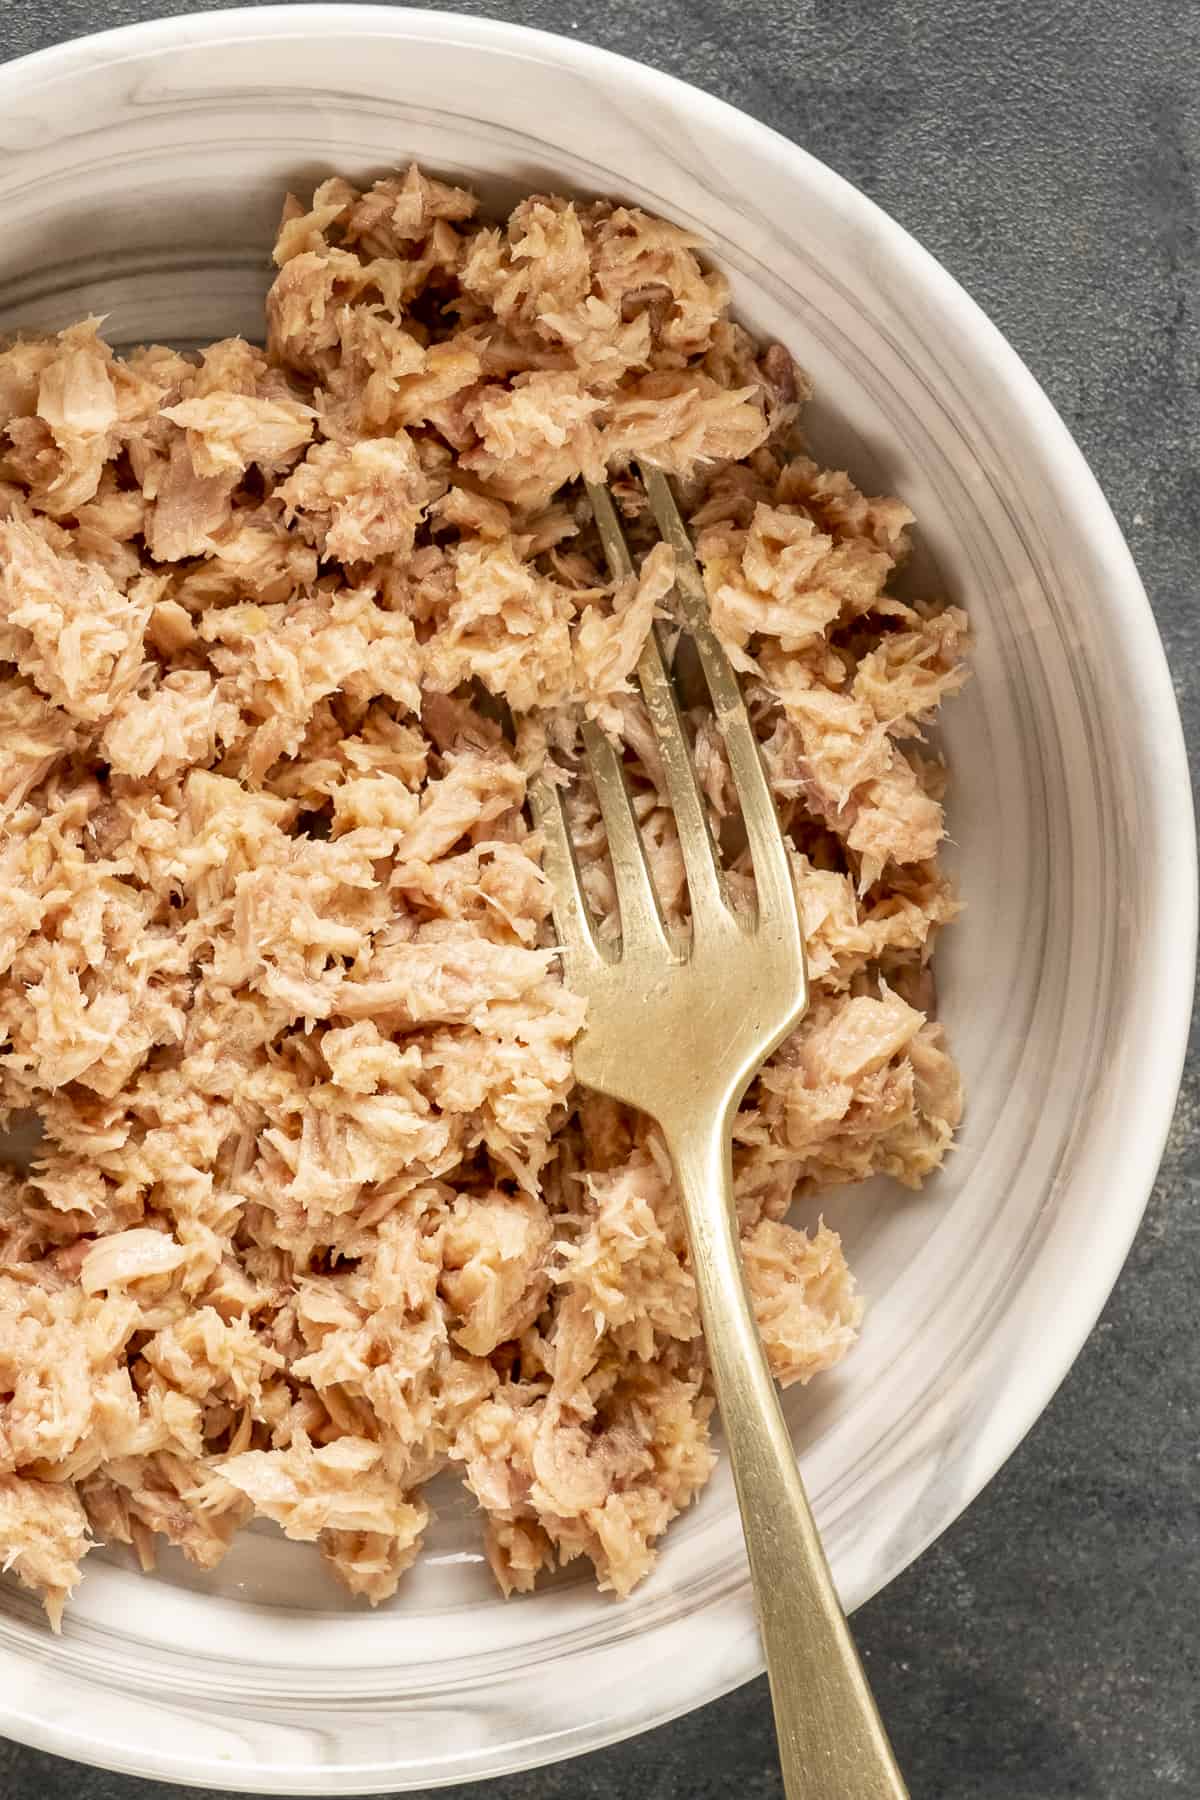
<point>677,1026</point>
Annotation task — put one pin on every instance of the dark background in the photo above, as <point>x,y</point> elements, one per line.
<point>1046,1646</point>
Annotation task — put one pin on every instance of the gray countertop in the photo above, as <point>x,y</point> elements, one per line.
<point>1047,1646</point>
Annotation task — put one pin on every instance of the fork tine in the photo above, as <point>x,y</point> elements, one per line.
<point>641,916</point>
<point>616,550</point>
<point>572,921</point>
<point>771,869</point>
<point>706,881</point>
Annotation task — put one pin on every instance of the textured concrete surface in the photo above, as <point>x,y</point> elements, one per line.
<point>1048,1646</point>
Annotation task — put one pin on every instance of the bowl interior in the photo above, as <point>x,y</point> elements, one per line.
<point>141,177</point>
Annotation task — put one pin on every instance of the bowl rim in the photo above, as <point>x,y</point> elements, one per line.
<point>1168,808</point>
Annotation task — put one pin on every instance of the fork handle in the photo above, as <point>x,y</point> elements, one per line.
<point>832,1743</point>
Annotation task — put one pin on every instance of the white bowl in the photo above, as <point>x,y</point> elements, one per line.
<point>141,174</point>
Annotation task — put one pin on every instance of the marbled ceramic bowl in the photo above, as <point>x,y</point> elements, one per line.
<point>141,175</point>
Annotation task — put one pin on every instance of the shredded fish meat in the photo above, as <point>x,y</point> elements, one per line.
<point>315,1210</point>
